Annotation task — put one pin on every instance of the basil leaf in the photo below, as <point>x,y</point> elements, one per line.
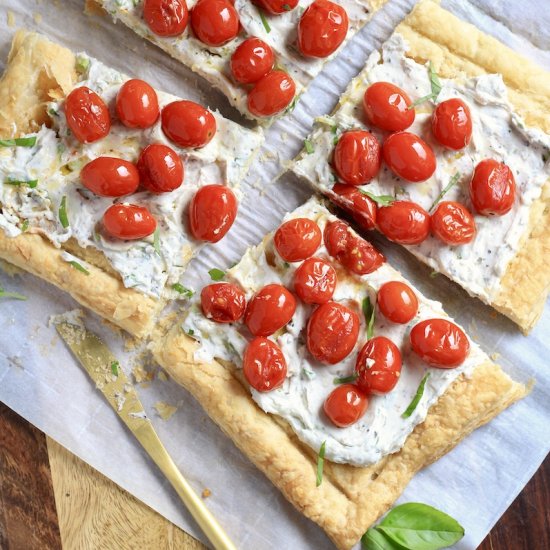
<point>451,183</point>
<point>31,183</point>
<point>156,241</point>
<point>308,146</point>
<point>190,332</point>
<point>346,379</point>
<point>375,540</point>
<point>265,22</point>
<point>79,267</point>
<point>114,367</point>
<point>435,85</point>
<point>182,290</point>
<point>320,463</point>
<point>63,218</point>
<point>421,527</point>
<point>216,274</point>
<point>25,226</point>
<point>82,64</point>
<point>14,295</point>
<point>369,313</point>
<point>382,200</point>
<point>417,397</point>
<point>19,142</point>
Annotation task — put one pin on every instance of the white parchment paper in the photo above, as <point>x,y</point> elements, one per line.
<point>40,380</point>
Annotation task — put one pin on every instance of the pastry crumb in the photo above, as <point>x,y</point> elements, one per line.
<point>11,19</point>
<point>206,493</point>
<point>141,374</point>
<point>495,355</point>
<point>162,376</point>
<point>164,410</point>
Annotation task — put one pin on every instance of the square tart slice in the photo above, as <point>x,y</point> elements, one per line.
<point>508,97</point>
<point>51,224</point>
<point>278,30</point>
<point>369,463</point>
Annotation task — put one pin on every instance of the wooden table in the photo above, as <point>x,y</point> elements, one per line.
<point>51,499</point>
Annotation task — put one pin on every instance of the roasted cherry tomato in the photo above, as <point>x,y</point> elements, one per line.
<point>297,239</point>
<point>276,7</point>
<point>408,156</point>
<point>388,107</point>
<point>322,28</point>
<point>166,17</point>
<point>345,405</point>
<point>87,115</point>
<point>452,124</point>
<point>440,343</point>
<point>397,302</point>
<point>188,124</point>
<point>129,221</point>
<point>378,366</point>
<point>110,177</point>
<point>264,365</point>
<point>223,302</point>
<point>315,281</point>
<point>492,188</point>
<point>252,60</point>
<point>332,332</point>
<point>453,223</point>
<point>404,222</point>
<point>357,157</point>
<point>215,22</point>
<point>212,212</point>
<point>137,104</point>
<point>271,94</point>
<point>160,168</point>
<point>361,207</point>
<point>270,309</point>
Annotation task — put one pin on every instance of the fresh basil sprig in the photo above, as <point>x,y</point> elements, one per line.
<point>19,142</point>
<point>436,88</point>
<point>216,274</point>
<point>321,463</point>
<point>417,397</point>
<point>14,295</point>
<point>369,313</point>
<point>451,183</point>
<point>381,200</point>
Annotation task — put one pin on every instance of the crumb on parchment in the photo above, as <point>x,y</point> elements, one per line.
<point>164,410</point>
<point>206,493</point>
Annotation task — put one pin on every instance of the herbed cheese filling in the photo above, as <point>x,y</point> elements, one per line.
<point>56,159</point>
<point>299,401</point>
<point>498,133</point>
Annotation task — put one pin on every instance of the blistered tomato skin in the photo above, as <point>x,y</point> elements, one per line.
<point>212,212</point>
<point>137,104</point>
<point>388,107</point>
<point>110,177</point>
<point>223,302</point>
<point>129,222</point>
<point>272,94</point>
<point>276,7</point>
<point>315,281</point>
<point>166,17</point>
<point>361,207</point>
<point>453,223</point>
<point>251,60</point>
<point>345,405</point>
<point>397,302</point>
<point>409,156</point>
<point>214,22</point>
<point>378,366</point>
<point>404,222</point>
<point>87,115</point>
<point>297,239</point>
<point>452,124</point>
<point>264,365</point>
<point>322,28</point>
<point>440,343</point>
<point>356,157</point>
<point>332,332</point>
<point>269,310</point>
<point>160,168</point>
<point>188,124</point>
<point>492,188</point>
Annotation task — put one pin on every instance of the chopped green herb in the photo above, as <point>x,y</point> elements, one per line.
<point>182,290</point>
<point>63,218</point>
<point>417,397</point>
<point>382,200</point>
<point>230,347</point>
<point>14,295</point>
<point>334,129</point>
<point>287,265</point>
<point>19,142</point>
<point>25,226</point>
<point>369,313</point>
<point>434,274</point>
<point>451,183</point>
<point>156,241</point>
<point>346,379</point>
<point>82,64</point>
<point>320,463</point>
<point>114,367</point>
<point>79,267</point>
<point>291,107</point>
<point>216,274</point>
<point>31,183</point>
<point>308,146</point>
<point>545,155</point>
<point>190,332</point>
<point>286,7</point>
<point>265,22</point>
<point>436,88</point>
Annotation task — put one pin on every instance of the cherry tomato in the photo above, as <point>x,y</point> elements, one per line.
<point>188,124</point>
<point>397,302</point>
<point>492,188</point>
<point>404,222</point>
<point>452,124</point>
<point>440,343</point>
<point>160,168</point>
<point>361,207</point>
<point>409,157</point>
<point>110,177</point>
<point>129,221</point>
<point>276,7</point>
<point>322,28</point>
<point>271,94</point>
<point>378,366</point>
<point>315,281</point>
<point>270,309</point>
<point>252,60</point>
<point>87,115</point>
<point>453,223</point>
<point>212,212</point>
<point>357,157</point>
<point>137,104</point>
<point>388,107</point>
<point>215,22</point>
<point>166,17</point>
<point>297,239</point>
<point>264,365</point>
<point>332,332</point>
<point>223,302</point>
<point>345,405</point>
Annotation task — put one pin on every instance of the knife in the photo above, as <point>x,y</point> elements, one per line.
<point>104,370</point>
